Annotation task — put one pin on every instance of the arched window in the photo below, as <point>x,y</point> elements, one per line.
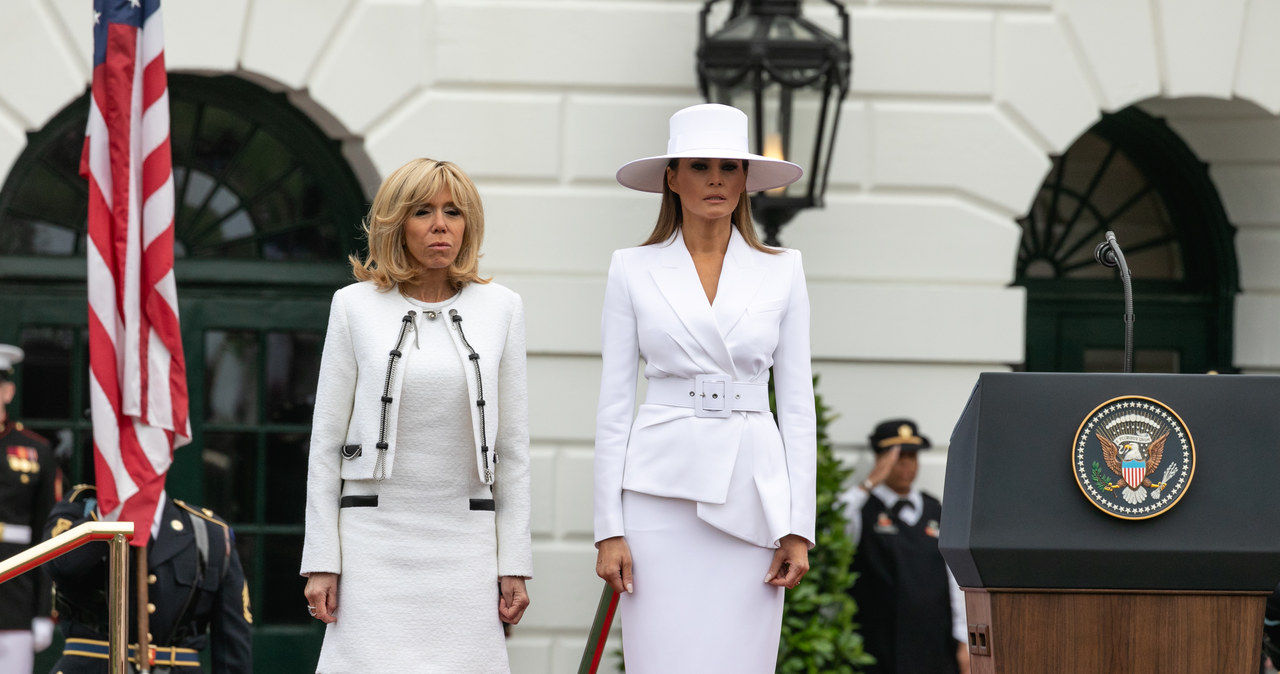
<point>1132,175</point>
<point>254,178</point>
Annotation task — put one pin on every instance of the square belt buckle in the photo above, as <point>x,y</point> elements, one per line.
<point>711,393</point>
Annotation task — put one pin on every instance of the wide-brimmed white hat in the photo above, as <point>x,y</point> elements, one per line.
<point>710,131</point>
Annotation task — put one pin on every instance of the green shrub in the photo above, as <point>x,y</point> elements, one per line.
<point>818,632</point>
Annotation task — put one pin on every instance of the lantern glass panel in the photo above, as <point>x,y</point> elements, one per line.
<point>786,127</point>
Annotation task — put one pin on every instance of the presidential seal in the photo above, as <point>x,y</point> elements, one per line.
<point>1133,457</point>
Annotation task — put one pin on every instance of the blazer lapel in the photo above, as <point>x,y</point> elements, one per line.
<point>175,535</point>
<point>677,280</point>
<point>740,280</point>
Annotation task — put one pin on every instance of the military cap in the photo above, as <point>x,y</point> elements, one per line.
<point>10,355</point>
<point>897,432</point>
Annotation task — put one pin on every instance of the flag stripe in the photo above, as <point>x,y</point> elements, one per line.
<point>138,386</point>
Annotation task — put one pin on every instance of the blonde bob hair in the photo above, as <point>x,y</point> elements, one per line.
<point>671,215</point>
<point>410,186</point>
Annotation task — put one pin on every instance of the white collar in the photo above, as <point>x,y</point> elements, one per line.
<point>155,521</point>
<point>891,497</point>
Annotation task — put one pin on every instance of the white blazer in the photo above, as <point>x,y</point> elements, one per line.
<point>364,326</point>
<point>752,478</point>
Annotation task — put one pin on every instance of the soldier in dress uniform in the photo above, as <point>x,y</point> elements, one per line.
<point>27,480</point>
<point>196,592</point>
<point>911,610</point>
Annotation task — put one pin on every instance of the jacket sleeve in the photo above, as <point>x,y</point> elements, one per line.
<point>619,354</point>
<point>511,487</point>
<point>72,511</point>
<point>335,395</point>
<point>232,621</point>
<point>45,500</point>
<point>797,421</point>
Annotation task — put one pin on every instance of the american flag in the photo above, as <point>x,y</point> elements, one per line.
<point>137,377</point>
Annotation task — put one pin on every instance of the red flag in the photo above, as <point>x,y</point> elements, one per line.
<point>137,376</point>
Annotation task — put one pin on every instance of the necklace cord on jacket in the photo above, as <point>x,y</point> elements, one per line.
<point>475,361</point>
<point>406,324</point>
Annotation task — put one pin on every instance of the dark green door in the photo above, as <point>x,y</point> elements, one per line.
<point>1078,337</point>
<point>252,367</point>
<point>254,364</point>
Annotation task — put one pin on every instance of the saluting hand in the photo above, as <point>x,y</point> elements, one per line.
<point>512,599</point>
<point>322,596</point>
<point>884,465</point>
<point>790,562</point>
<point>613,564</point>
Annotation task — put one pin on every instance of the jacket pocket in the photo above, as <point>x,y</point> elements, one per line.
<point>358,467</point>
<point>359,501</point>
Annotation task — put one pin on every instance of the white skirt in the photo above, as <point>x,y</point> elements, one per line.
<point>700,605</point>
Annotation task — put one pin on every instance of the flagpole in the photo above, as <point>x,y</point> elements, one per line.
<point>594,652</point>
<point>144,616</point>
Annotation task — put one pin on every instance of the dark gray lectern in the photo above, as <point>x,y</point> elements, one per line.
<point>1053,582</point>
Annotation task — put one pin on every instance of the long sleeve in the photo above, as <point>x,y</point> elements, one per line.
<point>959,623</point>
<point>797,421</point>
<point>44,502</point>
<point>78,563</point>
<point>511,487</point>
<point>232,621</point>
<point>335,395</point>
<point>854,498</point>
<point>619,353</point>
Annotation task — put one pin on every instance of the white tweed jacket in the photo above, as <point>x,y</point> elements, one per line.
<point>348,428</point>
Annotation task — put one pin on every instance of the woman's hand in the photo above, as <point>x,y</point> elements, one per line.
<point>322,596</point>
<point>613,564</point>
<point>512,599</point>
<point>790,562</point>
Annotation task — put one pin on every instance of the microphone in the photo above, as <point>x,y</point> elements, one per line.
<point>1105,254</point>
<point>1108,254</point>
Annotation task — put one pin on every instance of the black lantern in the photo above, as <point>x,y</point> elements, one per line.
<point>789,75</point>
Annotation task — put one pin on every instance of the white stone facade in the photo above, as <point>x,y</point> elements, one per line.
<point>955,108</point>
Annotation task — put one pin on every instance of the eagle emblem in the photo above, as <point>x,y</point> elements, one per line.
<point>1133,457</point>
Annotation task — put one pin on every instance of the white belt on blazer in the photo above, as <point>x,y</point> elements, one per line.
<point>710,395</point>
<point>15,533</point>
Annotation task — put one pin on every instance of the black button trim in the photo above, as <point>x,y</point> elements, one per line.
<point>481,504</point>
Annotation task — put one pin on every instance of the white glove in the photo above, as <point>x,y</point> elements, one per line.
<point>41,633</point>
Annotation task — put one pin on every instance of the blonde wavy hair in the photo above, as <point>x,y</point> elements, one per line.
<point>671,215</point>
<point>388,261</point>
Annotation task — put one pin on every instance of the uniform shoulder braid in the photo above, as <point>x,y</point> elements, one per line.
<point>81,493</point>
<point>204,514</point>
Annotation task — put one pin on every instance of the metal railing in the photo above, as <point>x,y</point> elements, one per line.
<point>118,535</point>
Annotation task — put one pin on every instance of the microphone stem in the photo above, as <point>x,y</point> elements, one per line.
<point>1128,330</point>
<point>1126,282</point>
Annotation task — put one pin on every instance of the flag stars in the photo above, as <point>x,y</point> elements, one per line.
<point>97,18</point>
<point>135,3</point>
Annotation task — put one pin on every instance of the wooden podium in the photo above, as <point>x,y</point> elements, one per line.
<point>1054,582</point>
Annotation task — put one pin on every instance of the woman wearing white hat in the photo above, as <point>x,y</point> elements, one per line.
<point>704,506</point>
